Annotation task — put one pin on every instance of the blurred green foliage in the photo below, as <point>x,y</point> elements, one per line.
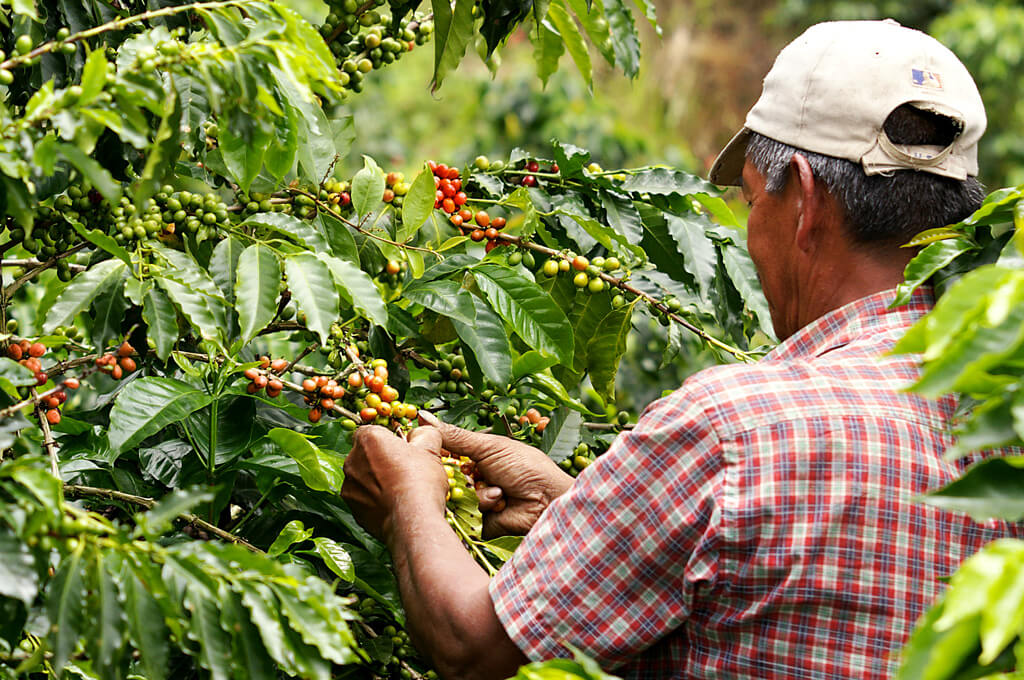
<point>474,114</point>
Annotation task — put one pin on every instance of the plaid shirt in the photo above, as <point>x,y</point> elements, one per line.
<point>759,522</point>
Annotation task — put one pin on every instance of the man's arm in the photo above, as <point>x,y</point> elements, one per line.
<point>450,615</point>
<point>397,491</point>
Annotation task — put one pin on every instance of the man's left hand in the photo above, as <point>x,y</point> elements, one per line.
<point>382,471</point>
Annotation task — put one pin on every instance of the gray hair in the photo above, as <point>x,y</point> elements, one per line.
<point>880,210</point>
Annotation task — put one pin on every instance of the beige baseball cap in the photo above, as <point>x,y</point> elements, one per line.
<point>831,89</point>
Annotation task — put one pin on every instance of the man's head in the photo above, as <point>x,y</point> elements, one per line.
<point>885,123</point>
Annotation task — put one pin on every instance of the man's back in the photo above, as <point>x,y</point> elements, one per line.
<point>759,522</point>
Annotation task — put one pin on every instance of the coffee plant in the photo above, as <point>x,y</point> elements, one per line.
<point>200,305</point>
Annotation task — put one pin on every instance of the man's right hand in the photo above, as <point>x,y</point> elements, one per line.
<point>516,474</point>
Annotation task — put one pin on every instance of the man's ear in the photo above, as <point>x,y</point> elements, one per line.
<point>807,202</point>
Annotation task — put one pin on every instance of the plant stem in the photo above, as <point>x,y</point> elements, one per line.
<point>48,443</point>
<point>79,491</point>
<point>116,25</point>
<point>31,274</point>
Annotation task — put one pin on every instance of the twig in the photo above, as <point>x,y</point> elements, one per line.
<point>32,273</point>
<point>324,208</point>
<point>622,285</point>
<point>302,355</point>
<point>34,399</point>
<point>115,25</point>
<point>80,491</point>
<point>48,443</point>
<point>372,634</point>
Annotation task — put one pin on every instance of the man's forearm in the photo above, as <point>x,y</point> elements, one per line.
<point>450,615</point>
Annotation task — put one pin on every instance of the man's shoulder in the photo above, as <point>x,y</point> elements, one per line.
<point>736,398</point>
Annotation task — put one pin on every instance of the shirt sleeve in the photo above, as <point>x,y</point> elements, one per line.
<point>615,564</point>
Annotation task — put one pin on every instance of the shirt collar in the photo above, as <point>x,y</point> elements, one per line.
<point>840,326</point>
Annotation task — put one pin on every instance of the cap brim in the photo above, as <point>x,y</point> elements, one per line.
<point>727,169</point>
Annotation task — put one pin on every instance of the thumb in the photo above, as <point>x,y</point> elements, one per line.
<point>426,439</point>
<point>473,445</point>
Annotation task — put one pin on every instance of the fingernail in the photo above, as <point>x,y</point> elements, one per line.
<point>492,494</point>
<point>429,418</point>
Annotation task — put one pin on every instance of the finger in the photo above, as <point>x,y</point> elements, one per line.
<point>426,439</point>
<point>489,498</point>
<point>473,445</point>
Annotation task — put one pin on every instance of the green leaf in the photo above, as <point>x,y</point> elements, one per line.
<point>18,576</point>
<point>357,287</point>
<point>743,275</point>
<point>13,375</point>
<point>367,188</point>
<point>249,657</point>
<point>624,38</point>
<point>418,204</point>
<point>214,643</point>
<point>562,434</point>
<point>444,297</point>
<point>313,291</point>
<point>697,250</point>
<point>989,489</point>
<point>574,43</point>
<point>146,627</point>
<point>256,289</point>
<point>160,518</point>
<point>335,557</point>
<point>161,320</point>
<point>318,469</point>
<point>204,313</point>
<point>108,638</point>
<point>243,150</point>
<point>148,405</point>
<point>622,215</point>
<point>301,232</point>
<point>486,337</point>
<point>102,241</point>
<point>530,311</point>
<point>547,51</point>
<point>666,182</point>
<point>80,292</point>
<point>65,606</point>
<point>264,612</point>
<point>94,76</point>
<point>606,349</point>
<point>929,260</point>
<point>224,264</point>
<point>92,171</point>
<point>310,619</point>
<point>108,312</point>
<point>164,150</point>
<point>591,15</point>
<point>453,29</point>
<point>531,362</point>
<point>292,533</point>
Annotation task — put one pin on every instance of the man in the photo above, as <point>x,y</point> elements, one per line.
<point>759,522</point>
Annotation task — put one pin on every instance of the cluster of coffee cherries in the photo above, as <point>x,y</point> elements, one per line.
<point>319,394</point>
<point>582,456</point>
<point>587,273</point>
<point>50,233</point>
<point>363,39</point>
<point>402,651</point>
<point>450,375</point>
<point>28,354</point>
<point>395,189</point>
<point>375,400</point>
<point>51,403</point>
<point>258,380</point>
<point>117,364</point>
<point>531,167</point>
<point>452,199</point>
<point>391,275</point>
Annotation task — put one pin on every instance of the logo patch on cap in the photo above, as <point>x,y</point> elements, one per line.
<point>923,78</point>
